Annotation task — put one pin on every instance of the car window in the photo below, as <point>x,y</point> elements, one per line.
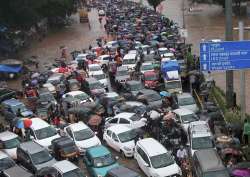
<point>143,155</point>
<point>114,137</point>
<point>69,132</point>
<point>113,121</point>
<point>124,121</point>
<point>109,133</point>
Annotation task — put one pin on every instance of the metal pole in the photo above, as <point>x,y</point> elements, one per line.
<point>183,18</point>
<point>242,78</point>
<point>229,37</point>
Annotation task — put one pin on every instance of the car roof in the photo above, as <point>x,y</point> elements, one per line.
<point>111,94</point>
<point>38,123</point>
<point>104,56</point>
<point>12,101</point>
<point>149,73</point>
<point>31,147</point>
<point>17,171</point>
<point>122,68</point>
<point>209,160</point>
<point>74,93</point>
<point>147,63</point>
<point>183,111</point>
<point>94,65</point>
<point>129,56</point>
<point>133,82</point>
<point>124,115</point>
<point>78,126</point>
<point>64,166</point>
<point>162,48</point>
<point>7,135</point>
<point>91,80</point>
<point>148,91</point>
<point>152,146</point>
<point>98,151</point>
<point>184,95</point>
<point>122,171</point>
<point>3,155</point>
<point>119,128</point>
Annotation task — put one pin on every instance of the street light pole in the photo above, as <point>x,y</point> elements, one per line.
<point>229,37</point>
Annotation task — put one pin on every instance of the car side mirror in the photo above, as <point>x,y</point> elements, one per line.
<point>32,137</point>
<point>146,164</point>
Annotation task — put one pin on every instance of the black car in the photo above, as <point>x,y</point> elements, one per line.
<point>121,171</point>
<point>150,98</point>
<point>6,94</point>
<point>132,88</point>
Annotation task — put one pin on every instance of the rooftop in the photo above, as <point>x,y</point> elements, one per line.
<point>152,146</point>
<point>7,135</point>
<point>64,166</point>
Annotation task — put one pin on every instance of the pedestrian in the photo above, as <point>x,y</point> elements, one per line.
<point>181,154</point>
<point>246,132</point>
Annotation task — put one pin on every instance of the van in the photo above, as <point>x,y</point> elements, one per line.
<point>207,163</point>
<point>42,133</point>
<point>130,60</point>
<point>154,160</point>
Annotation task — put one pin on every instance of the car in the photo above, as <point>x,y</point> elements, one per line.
<point>93,68</point>
<point>101,12</point>
<point>50,87</point>
<point>130,119</point>
<point>77,96</point>
<point>6,94</point>
<point>186,100</point>
<point>103,60</point>
<point>130,60</point>
<point>73,85</point>
<point>45,97</point>
<point>185,117</point>
<point>146,67</point>
<point>95,86</point>
<point>150,79</point>
<point>65,168</point>
<point>100,76</point>
<point>122,75</point>
<point>150,98</point>
<point>56,78</point>
<point>130,106</point>
<point>164,52</point>
<point>6,162</point>
<point>16,171</point>
<point>13,105</point>
<point>33,156</point>
<point>99,161</point>
<point>8,143</point>
<point>121,138</point>
<point>121,171</point>
<point>154,160</point>
<point>133,87</point>
<point>43,133</point>
<point>82,135</point>
<point>111,44</point>
<point>200,136</point>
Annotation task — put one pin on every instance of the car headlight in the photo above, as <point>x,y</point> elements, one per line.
<point>126,148</point>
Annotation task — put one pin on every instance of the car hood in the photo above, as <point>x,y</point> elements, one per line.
<point>155,104</point>
<point>104,81</point>
<point>192,107</point>
<point>47,164</point>
<point>97,91</point>
<point>129,144</point>
<point>88,143</point>
<point>47,141</point>
<point>27,113</point>
<point>103,170</point>
<point>11,153</point>
<point>169,170</point>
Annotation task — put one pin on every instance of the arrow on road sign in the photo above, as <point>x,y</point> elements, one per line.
<point>204,48</point>
<point>204,57</point>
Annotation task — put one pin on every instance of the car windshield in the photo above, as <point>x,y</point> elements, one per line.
<point>82,96</point>
<point>45,132</point>
<point>99,76</point>
<point>95,68</point>
<point>221,173</point>
<point>189,118</point>
<point>103,161</point>
<point>202,143</point>
<point>162,160</point>
<point>83,134</point>
<point>128,61</point>
<point>186,101</point>
<point>147,67</point>
<point>136,87</point>
<point>151,77</point>
<point>19,106</point>
<point>163,52</point>
<point>153,97</point>
<point>41,157</point>
<point>6,163</point>
<point>95,85</point>
<point>127,136</point>
<point>173,85</point>
<point>13,143</point>
<point>46,97</point>
<point>122,73</point>
<point>74,173</point>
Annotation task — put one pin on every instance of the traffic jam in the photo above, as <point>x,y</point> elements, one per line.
<point>133,98</point>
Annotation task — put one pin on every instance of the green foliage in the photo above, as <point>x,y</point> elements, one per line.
<point>154,3</point>
<point>232,117</point>
<point>25,13</point>
<point>220,98</point>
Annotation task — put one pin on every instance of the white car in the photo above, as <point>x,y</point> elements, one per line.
<point>100,76</point>
<point>50,87</point>
<point>5,162</point>
<point>186,100</point>
<point>185,117</point>
<point>8,143</point>
<point>129,119</point>
<point>103,60</point>
<point>101,12</point>
<point>121,138</point>
<point>66,168</point>
<point>78,95</point>
<point>130,60</point>
<point>111,44</point>
<point>93,68</point>
<point>82,135</point>
<point>154,160</point>
<point>147,67</point>
<point>43,133</point>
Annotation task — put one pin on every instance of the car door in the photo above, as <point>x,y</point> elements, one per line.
<point>115,143</point>
<point>111,122</point>
<point>125,121</point>
<point>107,137</point>
<point>142,160</point>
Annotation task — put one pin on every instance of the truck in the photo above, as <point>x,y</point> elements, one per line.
<point>171,75</point>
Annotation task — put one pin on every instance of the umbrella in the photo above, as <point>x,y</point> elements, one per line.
<point>23,123</point>
<point>165,94</point>
<point>35,75</point>
<point>241,172</point>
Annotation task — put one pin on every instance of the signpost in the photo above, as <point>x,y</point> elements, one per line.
<point>224,56</point>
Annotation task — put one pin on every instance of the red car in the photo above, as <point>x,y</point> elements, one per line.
<point>150,79</point>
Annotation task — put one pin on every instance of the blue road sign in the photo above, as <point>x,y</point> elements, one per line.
<point>228,55</point>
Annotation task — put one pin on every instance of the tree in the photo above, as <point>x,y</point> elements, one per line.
<point>154,3</point>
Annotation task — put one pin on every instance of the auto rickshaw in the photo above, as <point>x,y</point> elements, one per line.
<point>64,148</point>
